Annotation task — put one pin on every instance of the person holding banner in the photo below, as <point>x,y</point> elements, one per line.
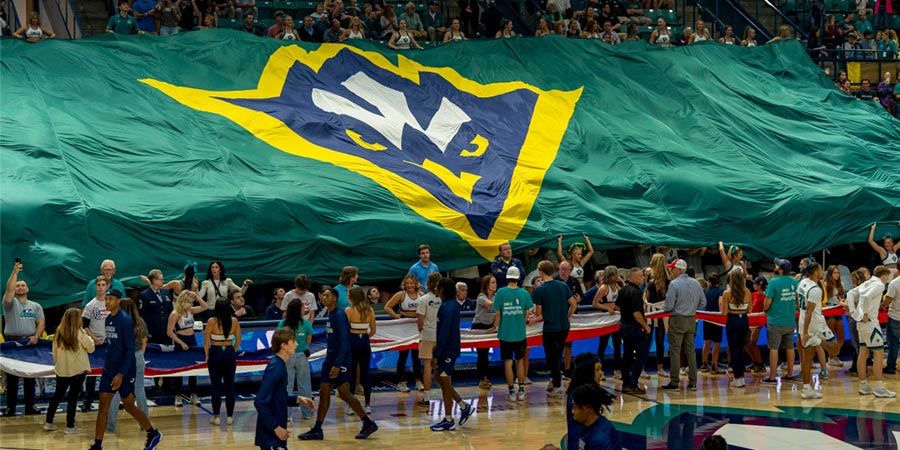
<point>735,302</point>
<point>870,337</point>
<point>887,253</point>
<point>780,306</point>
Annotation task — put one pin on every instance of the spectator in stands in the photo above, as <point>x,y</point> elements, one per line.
<point>865,92</point>
<point>884,46</point>
<point>585,17</point>
<point>851,48</point>
<point>370,23</point>
<point>169,16</point>
<point>553,14</point>
<point>353,10</point>
<point>224,8</point>
<point>334,34</point>
<point>868,45</point>
<point>188,15</point>
<point>274,311</point>
<point>309,33</point>
<point>319,13</point>
<point>278,26</point>
<point>685,38</point>
<point>784,32</point>
<point>244,7</point>
<point>210,22</point>
<point>454,33</point>
<point>593,31</point>
<point>145,13</point>
<point>701,33</point>
<point>831,33</point>
<point>239,309</point>
<point>846,87</point>
<point>413,22</point>
<point>249,26</point>
<point>560,29</point>
<point>355,31</point>
<point>23,319</point>
<point>388,23</point>
<point>108,266</point>
<point>814,47</point>
<point>631,34</point>
<point>4,20</point>
<point>660,36</point>
<point>846,25</point>
<point>288,33</point>
<point>862,25</point>
<point>34,32</point>
<point>338,12</point>
<point>749,37</point>
<point>885,92</point>
<point>543,28</point>
<point>728,36</point>
<point>433,21</point>
<point>572,31</point>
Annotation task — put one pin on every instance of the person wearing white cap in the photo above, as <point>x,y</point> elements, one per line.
<point>512,305</point>
<point>683,299</point>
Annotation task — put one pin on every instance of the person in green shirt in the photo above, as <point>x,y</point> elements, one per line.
<point>122,23</point>
<point>512,304</point>
<point>298,363</point>
<point>781,307</point>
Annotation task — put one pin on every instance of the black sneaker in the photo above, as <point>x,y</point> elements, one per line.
<point>9,413</point>
<point>769,381</point>
<point>788,379</point>
<point>672,387</point>
<point>96,446</point>
<point>85,407</point>
<point>312,435</point>
<point>692,387</point>
<point>367,429</point>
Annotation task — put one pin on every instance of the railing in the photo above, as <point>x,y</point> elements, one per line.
<point>69,17</point>
<point>872,63</point>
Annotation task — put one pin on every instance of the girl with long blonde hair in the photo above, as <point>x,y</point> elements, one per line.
<point>181,332</point>
<point>605,299</point>
<point>70,348</point>
<point>407,300</point>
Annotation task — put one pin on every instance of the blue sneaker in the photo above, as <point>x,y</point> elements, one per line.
<point>444,425</point>
<point>153,438</point>
<point>464,414</point>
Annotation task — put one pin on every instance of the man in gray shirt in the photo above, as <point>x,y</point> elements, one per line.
<point>683,299</point>
<point>24,320</point>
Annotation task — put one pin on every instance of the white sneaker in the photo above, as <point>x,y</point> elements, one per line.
<point>74,430</point>
<point>835,361</point>
<point>229,421</point>
<point>49,427</point>
<point>556,392</point>
<point>735,383</point>
<point>644,374</point>
<point>521,396</point>
<point>511,397</point>
<point>215,420</point>
<point>882,392</point>
<point>420,386</point>
<point>617,374</point>
<point>865,389</point>
<point>178,401</point>
<point>528,381</point>
<point>662,373</point>
<point>368,410</point>
<point>684,370</point>
<point>360,390</point>
<point>810,393</point>
<point>403,387</point>
<point>195,400</point>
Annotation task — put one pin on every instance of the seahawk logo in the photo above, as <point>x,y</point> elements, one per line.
<point>469,156</point>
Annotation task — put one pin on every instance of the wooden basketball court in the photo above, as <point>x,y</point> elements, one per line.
<point>758,416</point>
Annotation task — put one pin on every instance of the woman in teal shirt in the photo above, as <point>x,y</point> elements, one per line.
<point>298,363</point>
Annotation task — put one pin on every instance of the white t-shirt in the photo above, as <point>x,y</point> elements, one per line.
<point>96,312</point>
<point>894,293</point>
<point>308,299</point>
<point>428,307</point>
<point>869,299</point>
<point>810,292</point>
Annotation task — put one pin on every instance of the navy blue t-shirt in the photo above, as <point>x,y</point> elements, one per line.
<point>600,435</point>
<point>338,331</point>
<point>448,339</point>
<point>712,298</point>
<point>272,403</point>
<point>119,344</point>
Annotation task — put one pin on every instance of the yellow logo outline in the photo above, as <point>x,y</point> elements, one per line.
<point>550,119</point>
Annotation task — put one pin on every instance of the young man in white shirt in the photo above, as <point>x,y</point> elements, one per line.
<point>426,314</point>
<point>892,302</point>
<point>814,330</point>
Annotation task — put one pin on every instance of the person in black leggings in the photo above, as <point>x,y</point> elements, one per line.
<point>221,340</point>
<point>362,326</point>
<point>484,320</point>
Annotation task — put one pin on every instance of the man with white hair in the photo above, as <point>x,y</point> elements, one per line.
<point>683,299</point>
<point>107,269</point>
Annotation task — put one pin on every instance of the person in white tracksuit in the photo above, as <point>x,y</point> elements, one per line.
<point>871,338</point>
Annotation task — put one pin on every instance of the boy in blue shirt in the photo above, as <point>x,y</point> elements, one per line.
<point>272,401</point>
<point>119,371</point>
<point>335,370</point>
<point>446,351</point>
<point>598,433</point>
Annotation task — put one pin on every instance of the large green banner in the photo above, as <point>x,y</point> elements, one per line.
<point>283,158</point>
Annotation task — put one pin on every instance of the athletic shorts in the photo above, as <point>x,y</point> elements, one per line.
<point>512,350</point>
<point>325,375</point>
<point>445,367</point>
<point>824,334</point>
<point>712,332</point>
<point>870,334</point>
<point>426,349</point>
<point>125,389</point>
<point>780,337</point>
